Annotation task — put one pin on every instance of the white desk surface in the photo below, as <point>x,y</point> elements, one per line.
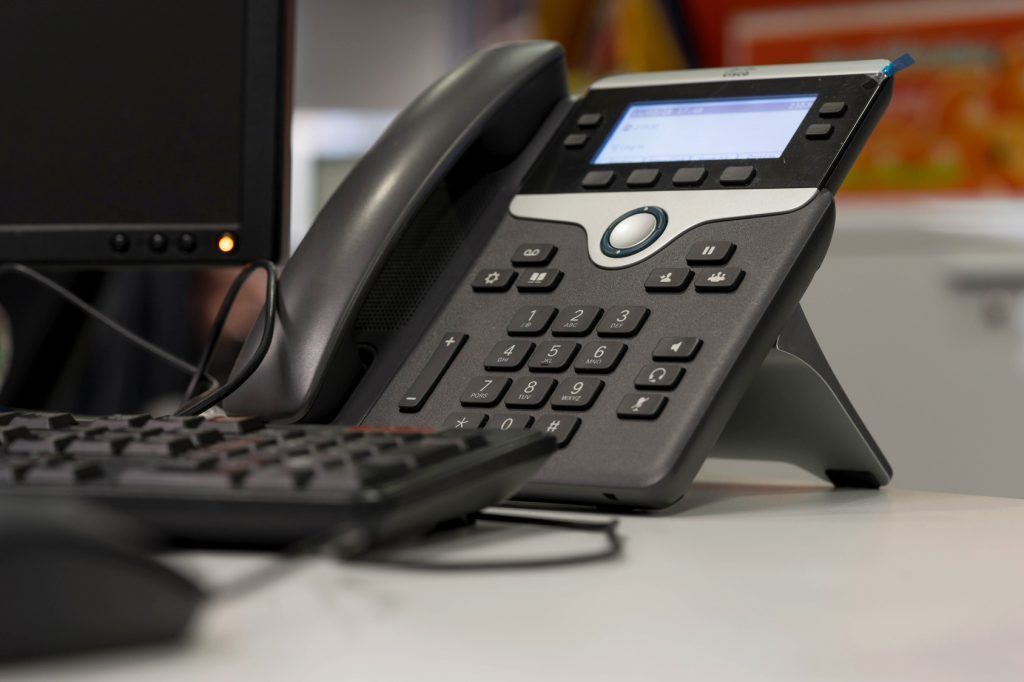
<point>748,582</point>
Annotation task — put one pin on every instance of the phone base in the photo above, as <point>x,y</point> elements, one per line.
<point>795,411</point>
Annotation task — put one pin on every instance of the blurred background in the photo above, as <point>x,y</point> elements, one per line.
<point>919,305</point>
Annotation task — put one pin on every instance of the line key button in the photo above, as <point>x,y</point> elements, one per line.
<point>450,345</point>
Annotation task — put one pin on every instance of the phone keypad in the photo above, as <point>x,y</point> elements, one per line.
<point>580,390</point>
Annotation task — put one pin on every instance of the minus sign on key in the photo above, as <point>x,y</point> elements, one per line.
<point>448,347</point>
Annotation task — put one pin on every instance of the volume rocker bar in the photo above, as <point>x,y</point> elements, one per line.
<point>438,364</point>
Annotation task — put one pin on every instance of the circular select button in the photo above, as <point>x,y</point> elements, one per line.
<point>634,231</point>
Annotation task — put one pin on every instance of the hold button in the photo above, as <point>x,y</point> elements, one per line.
<point>634,231</point>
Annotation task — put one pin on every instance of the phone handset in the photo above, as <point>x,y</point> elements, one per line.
<point>491,107</point>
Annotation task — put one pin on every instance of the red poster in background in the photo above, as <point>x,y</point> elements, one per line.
<point>956,122</point>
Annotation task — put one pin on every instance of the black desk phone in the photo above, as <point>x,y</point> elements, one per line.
<point>622,271</point>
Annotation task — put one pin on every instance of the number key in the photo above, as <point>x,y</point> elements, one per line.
<point>531,321</point>
<point>553,356</point>
<point>508,355</point>
<point>576,321</point>
<point>577,393</point>
<point>511,422</point>
<point>530,392</point>
<point>485,391</point>
<point>600,356</point>
<point>622,321</point>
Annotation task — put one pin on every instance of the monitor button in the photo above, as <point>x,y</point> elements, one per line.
<point>643,177</point>
<point>832,109</point>
<point>119,242</point>
<point>737,175</point>
<point>818,131</point>
<point>589,120</point>
<point>598,179</point>
<point>158,242</point>
<point>689,177</point>
<point>575,140</point>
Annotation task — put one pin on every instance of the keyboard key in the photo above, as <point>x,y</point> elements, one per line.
<point>485,391</point>
<point>183,480</point>
<point>508,355</point>
<point>33,420</point>
<point>677,348</point>
<point>576,321</point>
<point>10,434</point>
<point>721,280</point>
<point>577,393</point>
<point>562,427</point>
<point>622,321</point>
<point>427,380</point>
<point>554,356</point>
<point>600,356</point>
<point>122,421</point>
<point>641,406</point>
<point>47,444</point>
<point>165,445</point>
<point>539,280</point>
<point>100,445</point>
<point>465,420</point>
<point>64,473</point>
<point>235,424</point>
<point>668,279</point>
<point>710,253</point>
<point>6,417</point>
<point>534,254</point>
<point>174,422</point>
<point>511,422</point>
<point>531,320</point>
<point>277,478</point>
<point>427,454</point>
<point>530,392</point>
<point>496,280</point>
<point>665,377</point>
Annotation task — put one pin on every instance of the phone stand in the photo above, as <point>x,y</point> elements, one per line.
<point>796,411</point>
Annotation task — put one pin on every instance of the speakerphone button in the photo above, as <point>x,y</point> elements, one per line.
<point>598,179</point>
<point>737,175</point>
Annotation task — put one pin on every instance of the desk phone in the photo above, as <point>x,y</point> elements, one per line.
<point>621,270</point>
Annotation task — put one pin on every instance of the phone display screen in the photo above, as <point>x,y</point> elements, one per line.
<point>705,129</point>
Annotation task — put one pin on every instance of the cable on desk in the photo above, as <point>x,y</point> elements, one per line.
<point>339,545</point>
<point>66,294</point>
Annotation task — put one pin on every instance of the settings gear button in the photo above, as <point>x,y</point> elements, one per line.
<point>494,280</point>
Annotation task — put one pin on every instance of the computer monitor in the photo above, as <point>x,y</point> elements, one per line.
<point>143,132</point>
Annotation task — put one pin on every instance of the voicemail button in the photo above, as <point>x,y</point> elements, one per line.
<point>718,279</point>
<point>534,254</point>
<point>668,279</point>
<point>493,280</point>
<point>539,280</point>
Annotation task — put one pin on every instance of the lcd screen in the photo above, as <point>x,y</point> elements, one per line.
<point>706,129</point>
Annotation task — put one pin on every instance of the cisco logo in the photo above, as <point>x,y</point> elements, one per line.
<point>736,73</point>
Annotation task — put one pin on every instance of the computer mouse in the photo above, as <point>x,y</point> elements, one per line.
<point>75,578</point>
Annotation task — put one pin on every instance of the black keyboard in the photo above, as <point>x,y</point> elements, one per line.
<point>238,481</point>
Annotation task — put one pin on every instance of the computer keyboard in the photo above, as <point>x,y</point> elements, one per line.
<point>238,481</point>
